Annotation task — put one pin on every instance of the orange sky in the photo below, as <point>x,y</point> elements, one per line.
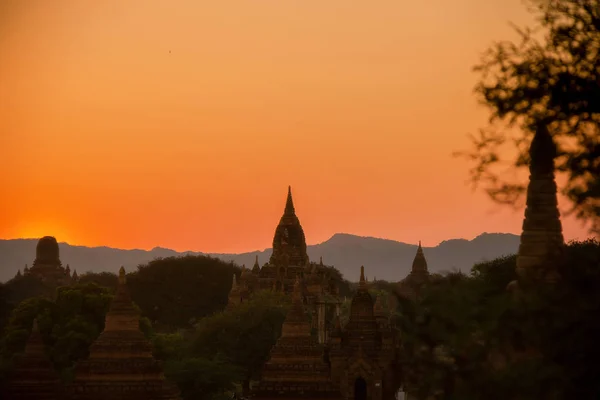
<point>179,124</point>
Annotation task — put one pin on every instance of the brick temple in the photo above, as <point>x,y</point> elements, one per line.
<point>47,266</point>
<point>296,368</point>
<point>121,365</point>
<point>34,376</point>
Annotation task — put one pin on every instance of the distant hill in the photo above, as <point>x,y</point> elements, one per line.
<point>382,258</point>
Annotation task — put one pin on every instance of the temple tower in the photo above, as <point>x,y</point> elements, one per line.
<point>542,242</point>
<point>47,266</point>
<point>289,239</point>
<point>419,275</point>
<point>120,365</point>
<point>362,354</point>
<point>256,267</point>
<point>34,377</point>
<point>296,368</point>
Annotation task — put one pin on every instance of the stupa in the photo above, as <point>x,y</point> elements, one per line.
<point>296,368</point>
<point>34,377</point>
<point>120,365</point>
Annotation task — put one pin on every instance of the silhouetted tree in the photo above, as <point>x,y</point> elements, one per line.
<point>104,279</point>
<point>467,338</point>
<point>552,83</point>
<point>176,292</point>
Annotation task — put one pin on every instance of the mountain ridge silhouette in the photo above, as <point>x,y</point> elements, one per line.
<point>383,258</point>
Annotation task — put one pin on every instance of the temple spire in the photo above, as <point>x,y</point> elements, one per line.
<point>542,241</point>
<point>419,264</point>
<point>362,284</point>
<point>122,278</point>
<point>289,204</point>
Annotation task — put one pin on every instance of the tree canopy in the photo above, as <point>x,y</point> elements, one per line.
<point>176,292</point>
<point>551,77</point>
<point>466,337</point>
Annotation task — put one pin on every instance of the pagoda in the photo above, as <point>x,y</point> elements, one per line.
<point>120,365</point>
<point>363,354</point>
<point>410,286</point>
<point>289,259</point>
<point>542,243</point>
<point>34,377</point>
<point>47,266</point>
<point>296,368</point>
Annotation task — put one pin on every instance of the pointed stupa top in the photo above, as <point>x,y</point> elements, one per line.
<point>542,241</point>
<point>321,261</point>
<point>362,283</point>
<point>419,264</point>
<point>296,322</point>
<point>122,315</point>
<point>289,203</point>
<point>122,277</point>
<point>256,266</point>
<point>289,242</point>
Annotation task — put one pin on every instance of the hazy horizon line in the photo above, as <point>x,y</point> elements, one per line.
<point>257,250</point>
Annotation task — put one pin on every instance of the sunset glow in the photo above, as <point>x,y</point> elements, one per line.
<point>142,123</point>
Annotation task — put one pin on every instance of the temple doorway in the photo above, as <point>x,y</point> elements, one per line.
<point>360,389</point>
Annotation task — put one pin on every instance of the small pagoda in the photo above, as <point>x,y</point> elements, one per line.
<point>296,368</point>
<point>120,365</point>
<point>34,377</point>
<point>410,286</point>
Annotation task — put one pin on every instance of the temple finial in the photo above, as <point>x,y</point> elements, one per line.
<point>419,244</point>
<point>362,284</point>
<point>289,204</point>
<point>122,278</point>
<point>321,261</point>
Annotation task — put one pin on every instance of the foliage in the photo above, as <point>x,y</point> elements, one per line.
<point>467,337</point>
<point>104,279</point>
<point>552,82</point>
<point>244,334</point>
<point>202,378</point>
<point>174,292</point>
<point>223,349</point>
<point>25,287</point>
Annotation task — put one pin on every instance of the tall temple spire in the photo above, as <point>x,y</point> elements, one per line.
<point>289,242</point>
<point>289,203</point>
<point>122,277</point>
<point>542,241</point>
<point>362,283</point>
<point>256,266</point>
<point>419,264</point>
